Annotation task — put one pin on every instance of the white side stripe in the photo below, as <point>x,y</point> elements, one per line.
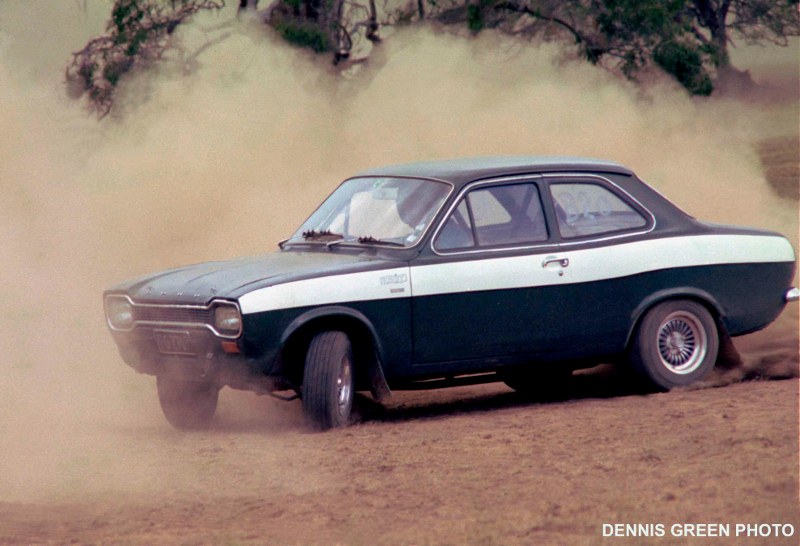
<point>601,263</point>
<point>364,286</point>
<point>497,273</point>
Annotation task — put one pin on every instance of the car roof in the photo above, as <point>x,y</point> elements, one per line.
<point>459,171</point>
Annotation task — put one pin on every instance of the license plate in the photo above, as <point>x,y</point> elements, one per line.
<point>174,343</point>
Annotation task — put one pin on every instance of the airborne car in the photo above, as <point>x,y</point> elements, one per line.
<point>450,273</point>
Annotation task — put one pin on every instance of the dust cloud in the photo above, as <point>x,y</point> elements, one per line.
<point>223,153</point>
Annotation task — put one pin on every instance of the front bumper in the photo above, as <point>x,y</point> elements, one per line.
<point>203,358</point>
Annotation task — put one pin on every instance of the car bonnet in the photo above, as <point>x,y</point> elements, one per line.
<point>200,283</point>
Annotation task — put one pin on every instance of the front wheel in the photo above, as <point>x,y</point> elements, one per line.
<point>187,405</point>
<point>676,344</point>
<point>328,382</point>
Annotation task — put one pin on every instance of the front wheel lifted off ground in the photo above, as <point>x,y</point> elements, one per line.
<point>187,405</point>
<point>675,344</point>
<point>328,382</point>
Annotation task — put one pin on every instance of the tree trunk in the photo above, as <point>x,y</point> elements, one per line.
<point>712,15</point>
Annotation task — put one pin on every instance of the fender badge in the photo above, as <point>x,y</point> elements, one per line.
<point>397,278</point>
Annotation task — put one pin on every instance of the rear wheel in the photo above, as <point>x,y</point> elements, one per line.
<point>676,344</point>
<point>187,405</point>
<point>328,380</point>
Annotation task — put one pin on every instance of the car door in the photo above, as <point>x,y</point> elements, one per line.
<point>595,221</point>
<point>484,291</point>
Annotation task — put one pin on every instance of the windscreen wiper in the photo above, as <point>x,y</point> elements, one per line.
<point>312,237</point>
<point>314,234</point>
<point>370,240</point>
<point>364,240</point>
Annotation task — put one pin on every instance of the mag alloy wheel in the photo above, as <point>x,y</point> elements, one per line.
<point>344,387</point>
<point>675,344</point>
<point>682,342</point>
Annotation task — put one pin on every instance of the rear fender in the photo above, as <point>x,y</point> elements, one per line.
<point>685,292</point>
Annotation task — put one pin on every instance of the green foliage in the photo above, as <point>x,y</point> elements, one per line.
<point>115,69</point>
<point>479,14</point>
<point>685,64</point>
<point>627,31</point>
<point>136,34</point>
<point>304,23</point>
<point>687,38</point>
<point>637,21</point>
<point>475,17</point>
<point>304,34</point>
<point>126,13</point>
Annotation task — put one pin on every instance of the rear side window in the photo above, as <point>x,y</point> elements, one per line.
<point>503,215</point>
<point>584,208</point>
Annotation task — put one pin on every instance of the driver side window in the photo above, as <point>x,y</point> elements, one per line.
<point>494,216</point>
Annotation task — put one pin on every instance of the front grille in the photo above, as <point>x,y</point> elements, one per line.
<point>167,314</point>
<point>171,317</point>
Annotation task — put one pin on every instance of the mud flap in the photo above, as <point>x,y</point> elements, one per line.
<point>378,387</point>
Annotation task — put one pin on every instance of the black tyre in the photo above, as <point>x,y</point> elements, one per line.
<point>675,344</point>
<point>187,405</point>
<point>328,382</point>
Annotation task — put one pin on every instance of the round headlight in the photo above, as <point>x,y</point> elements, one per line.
<point>119,312</point>
<point>227,319</point>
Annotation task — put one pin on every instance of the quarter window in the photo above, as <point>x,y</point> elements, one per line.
<point>495,216</point>
<point>457,231</point>
<point>590,209</point>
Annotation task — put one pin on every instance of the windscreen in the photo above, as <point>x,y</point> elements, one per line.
<point>392,211</point>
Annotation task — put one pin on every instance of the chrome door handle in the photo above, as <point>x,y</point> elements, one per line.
<point>563,262</point>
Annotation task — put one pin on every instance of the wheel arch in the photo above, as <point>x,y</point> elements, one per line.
<point>367,348</point>
<point>683,293</point>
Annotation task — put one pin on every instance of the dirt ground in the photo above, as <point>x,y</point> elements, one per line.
<point>477,465</point>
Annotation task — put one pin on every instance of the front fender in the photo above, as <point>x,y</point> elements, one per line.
<point>357,325</point>
<point>331,312</point>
